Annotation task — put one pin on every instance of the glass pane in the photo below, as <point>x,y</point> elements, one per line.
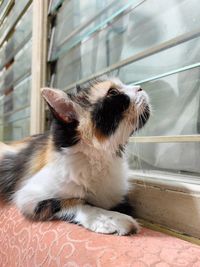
<point>22,63</point>
<point>2,55</point>
<point>8,78</point>
<point>24,26</point>
<point>15,124</point>
<point>15,68</point>
<point>55,4</point>
<point>123,38</point>
<point>3,5</point>
<point>8,103</point>
<point>17,99</point>
<point>16,130</point>
<point>175,102</point>
<point>20,36</point>
<point>15,112</point>
<point>2,75</point>
<point>13,16</point>
<point>1,109</point>
<point>20,68</point>
<point>160,63</point>
<point>21,94</point>
<point>79,12</point>
<point>177,158</point>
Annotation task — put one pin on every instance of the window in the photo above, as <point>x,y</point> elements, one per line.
<point>148,42</point>
<point>155,45</point>
<point>15,69</point>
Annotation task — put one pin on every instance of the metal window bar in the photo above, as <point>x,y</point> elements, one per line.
<point>4,9</point>
<point>19,14</point>
<point>120,12</point>
<point>148,52</point>
<point>165,139</point>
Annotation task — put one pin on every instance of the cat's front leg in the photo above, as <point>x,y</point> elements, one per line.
<point>107,222</point>
<point>77,211</point>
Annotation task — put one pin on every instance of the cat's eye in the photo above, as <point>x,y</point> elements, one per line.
<point>112,92</point>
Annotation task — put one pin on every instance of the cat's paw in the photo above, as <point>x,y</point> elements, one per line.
<point>114,223</point>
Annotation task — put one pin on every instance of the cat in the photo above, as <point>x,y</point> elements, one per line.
<point>77,172</point>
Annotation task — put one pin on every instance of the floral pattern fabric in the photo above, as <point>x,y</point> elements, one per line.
<point>50,244</point>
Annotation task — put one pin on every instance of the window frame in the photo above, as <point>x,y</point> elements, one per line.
<point>148,189</point>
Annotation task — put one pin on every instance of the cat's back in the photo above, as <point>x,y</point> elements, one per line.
<point>19,160</point>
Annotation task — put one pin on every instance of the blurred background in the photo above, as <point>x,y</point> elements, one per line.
<point>60,43</point>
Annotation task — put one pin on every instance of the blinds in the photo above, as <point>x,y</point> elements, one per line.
<point>15,69</point>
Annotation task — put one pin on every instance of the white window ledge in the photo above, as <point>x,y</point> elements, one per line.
<point>171,200</point>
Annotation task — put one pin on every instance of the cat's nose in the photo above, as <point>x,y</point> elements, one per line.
<point>137,89</point>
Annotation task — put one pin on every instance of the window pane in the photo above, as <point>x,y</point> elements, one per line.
<point>1,110</point>
<point>55,4</point>
<point>2,76</point>
<point>16,125</point>
<point>20,68</point>
<point>177,158</point>
<point>74,14</point>
<point>135,31</point>
<point>15,71</point>
<point>163,62</point>
<point>21,94</point>
<point>16,130</point>
<point>9,23</point>
<point>15,112</point>
<point>21,35</point>
<point>175,101</point>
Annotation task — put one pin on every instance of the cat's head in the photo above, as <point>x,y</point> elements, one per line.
<point>102,114</point>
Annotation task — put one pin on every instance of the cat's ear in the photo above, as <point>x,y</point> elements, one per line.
<point>60,105</point>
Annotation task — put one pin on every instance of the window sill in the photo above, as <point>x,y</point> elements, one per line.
<point>170,200</point>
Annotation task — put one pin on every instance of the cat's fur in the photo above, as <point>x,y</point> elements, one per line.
<point>77,172</point>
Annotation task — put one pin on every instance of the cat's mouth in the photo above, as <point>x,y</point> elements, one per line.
<point>143,116</point>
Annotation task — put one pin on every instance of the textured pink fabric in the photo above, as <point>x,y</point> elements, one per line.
<point>31,244</point>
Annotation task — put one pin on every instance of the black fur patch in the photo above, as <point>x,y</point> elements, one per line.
<point>13,166</point>
<point>108,112</point>
<point>124,207</point>
<point>64,134</point>
<point>68,217</point>
<point>120,151</point>
<point>53,204</point>
<point>47,208</point>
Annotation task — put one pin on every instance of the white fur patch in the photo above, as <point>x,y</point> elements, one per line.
<point>106,222</point>
<point>77,172</point>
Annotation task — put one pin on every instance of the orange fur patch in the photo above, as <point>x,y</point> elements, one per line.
<point>100,136</point>
<point>41,157</point>
<point>70,203</point>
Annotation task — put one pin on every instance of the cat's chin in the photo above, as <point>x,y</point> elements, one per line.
<point>143,117</point>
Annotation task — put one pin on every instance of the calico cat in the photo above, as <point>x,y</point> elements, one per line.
<point>77,171</point>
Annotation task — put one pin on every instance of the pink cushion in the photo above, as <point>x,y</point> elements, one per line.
<point>31,244</point>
